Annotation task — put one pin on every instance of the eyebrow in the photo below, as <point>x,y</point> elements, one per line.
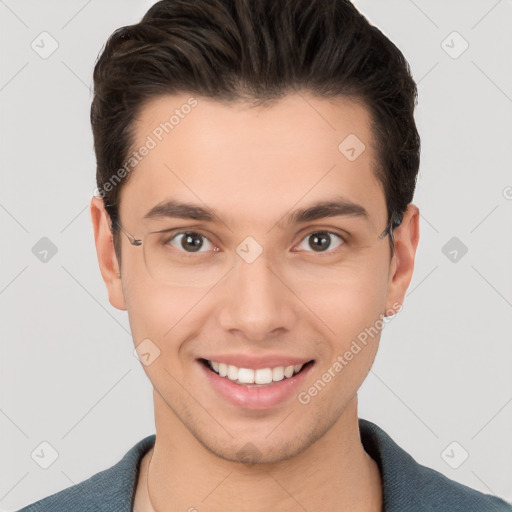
<point>323,209</point>
<point>338,206</point>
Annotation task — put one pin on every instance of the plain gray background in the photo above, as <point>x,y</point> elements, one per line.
<point>441,384</point>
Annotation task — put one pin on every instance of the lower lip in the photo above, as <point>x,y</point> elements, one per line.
<point>256,398</point>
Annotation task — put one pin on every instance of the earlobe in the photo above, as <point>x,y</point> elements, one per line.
<point>406,238</point>
<point>107,259</point>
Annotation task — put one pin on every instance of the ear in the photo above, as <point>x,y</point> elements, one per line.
<point>107,259</point>
<point>406,237</point>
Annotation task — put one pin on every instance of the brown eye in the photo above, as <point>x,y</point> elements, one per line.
<point>190,242</point>
<point>321,241</point>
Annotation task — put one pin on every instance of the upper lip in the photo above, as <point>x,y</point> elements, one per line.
<point>257,362</point>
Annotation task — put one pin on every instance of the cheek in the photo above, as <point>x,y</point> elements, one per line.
<point>348,305</point>
<point>351,311</point>
<point>161,313</point>
<point>353,316</point>
<point>151,308</point>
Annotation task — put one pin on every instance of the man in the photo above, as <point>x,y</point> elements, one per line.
<point>256,166</point>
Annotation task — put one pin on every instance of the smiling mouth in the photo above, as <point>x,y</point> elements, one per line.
<point>254,377</point>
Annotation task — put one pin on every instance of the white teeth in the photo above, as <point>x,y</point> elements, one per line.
<point>263,376</point>
<point>223,369</point>
<point>232,372</point>
<point>288,371</point>
<point>245,375</point>
<point>260,376</point>
<point>278,374</point>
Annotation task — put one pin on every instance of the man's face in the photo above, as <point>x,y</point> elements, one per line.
<point>292,293</point>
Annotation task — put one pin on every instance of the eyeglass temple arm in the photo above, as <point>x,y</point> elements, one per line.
<point>131,238</point>
<point>394,222</point>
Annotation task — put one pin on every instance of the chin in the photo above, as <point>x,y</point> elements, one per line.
<point>261,450</point>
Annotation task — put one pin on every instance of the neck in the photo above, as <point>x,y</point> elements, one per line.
<point>181,474</point>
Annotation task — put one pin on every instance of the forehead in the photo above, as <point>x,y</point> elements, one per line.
<point>257,161</point>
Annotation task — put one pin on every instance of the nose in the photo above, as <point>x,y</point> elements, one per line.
<point>258,303</point>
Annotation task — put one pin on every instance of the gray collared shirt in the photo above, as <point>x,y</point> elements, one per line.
<point>407,485</point>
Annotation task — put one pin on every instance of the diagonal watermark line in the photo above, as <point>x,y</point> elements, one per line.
<point>14,76</point>
<point>484,218</point>
<point>5,495</point>
<point>111,388</point>
<point>301,198</point>
<point>492,492</point>
<point>13,13</point>
<point>74,218</point>
<point>404,403</point>
<point>493,287</point>
<point>193,192</point>
<point>88,86</point>
<point>215,488</point>
<point>428,72</point>
<point>316,110</point>
<point>13,279</point>
<point>429,223</point>
<point>286,491</point>
<point>14,423</point>
<point>13,218</point>
<point>501,409</point>
<point>280,423</point>
<point>72,482</point>
<point>301,300</point>
<point>424,14</point>
<point>95,300</point>
<point>76,14</point>
<point>486,14</point>
<point>198,403</point>
<point>206,293</point>
<point>409,293</point>
<point>492,81</point>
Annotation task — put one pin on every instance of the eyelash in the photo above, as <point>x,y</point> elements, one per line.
<point>204,237</point>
